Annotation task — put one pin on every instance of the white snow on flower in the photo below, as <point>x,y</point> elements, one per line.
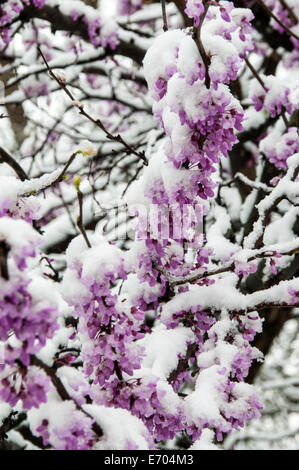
<point>128,430</point>
<point>205,401</point>
<point>134,289</point>
<point>162,53</point>
<point>18,234</point>
<point>163,347</point>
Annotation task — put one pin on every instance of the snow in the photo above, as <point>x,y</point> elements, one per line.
<point>285,187</point>
<point>72,287</point>
<point>223,352</point>
<point>134,289</point>
<point>187,57</point>
<point>224,295</point>
<point>205,442</point>
<point>18,234</point>
<point>163,52</point>
<point>162,349</point>
<point>280,230</point>
<point>204,402</point>
<point>60,339</point>
<point>5,409</point>
<point>129,429</point>
<point>222,247</point>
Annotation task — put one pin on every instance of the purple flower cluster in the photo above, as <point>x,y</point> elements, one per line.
<point>128,7</point>
<point>242,363</point>
<point>294,294</point>
<point>144,398</point>
<point>194,8</point>
<point>25,322</point>
<point>9,11</point>
<point>282,11</point>
<point>279,147</point>
<point>21,312</point>
<point>199,120</point>
<point>38,3</point>
<point>39,89</point>
<point>65,427</point>
<point>243,268</point>
<point>112,351</point>
<point>27,384</point>
<point>223,355</point>
<point>197,320</point>
<point>102,34</point>
<point>274,96</point>
<point>235,404</point>
<point>241,405</point>
<point>31,326</point>
<point>108,333</point>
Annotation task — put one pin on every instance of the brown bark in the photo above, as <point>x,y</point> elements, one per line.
<point>15,113</point>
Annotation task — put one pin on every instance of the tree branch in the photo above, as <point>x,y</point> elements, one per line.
<point>61,390</point>
<point>6,158</point>
<point>97,122</point>
<point>61,22</point>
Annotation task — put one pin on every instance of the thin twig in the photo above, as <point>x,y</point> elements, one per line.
<point>62,392</point>
<point>262,83</point>
<point>68,163</point>
<point>80,218</point>
<point>165,25</point>
<point>291,13</point>
<point>97,122</point>
<point>6,158</point>
<point>255,74</point>
<point>197,39</point>
<point>261,3</point>
<point>55,276</point>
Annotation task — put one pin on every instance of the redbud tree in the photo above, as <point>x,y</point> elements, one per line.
<point>148,217</point>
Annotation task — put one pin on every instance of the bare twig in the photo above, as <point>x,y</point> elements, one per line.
<point>97,122</point>
<point>270,12</point>
<point>165,25</point>
<point>255,74</point>
<point>6,158</point>
<point>55,275</point>
<point>80,218</point>
<point>4,250</point>
<point>197,39</point>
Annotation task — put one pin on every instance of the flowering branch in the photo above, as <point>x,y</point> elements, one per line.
<point>291,33</point>
<point>156,327</point>
<point>61,390</point>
